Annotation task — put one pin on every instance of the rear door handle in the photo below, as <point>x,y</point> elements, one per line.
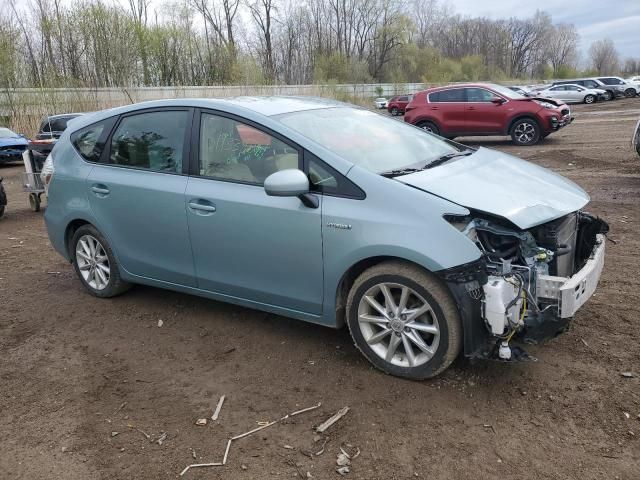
<point>100,190</point>
<point>471,108</point>
<point>202,206</point>
<point>434,108</point>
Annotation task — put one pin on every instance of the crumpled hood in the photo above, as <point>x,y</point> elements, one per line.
<point>502,185</point>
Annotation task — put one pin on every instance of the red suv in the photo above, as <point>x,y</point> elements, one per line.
<point>398,104</point>
<point>486,109</point>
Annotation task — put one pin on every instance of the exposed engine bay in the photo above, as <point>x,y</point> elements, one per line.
<point>534,279</point>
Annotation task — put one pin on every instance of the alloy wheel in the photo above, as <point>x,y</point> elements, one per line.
<point>398,324</point>
<point>525,132</point>
<point>93,262</point>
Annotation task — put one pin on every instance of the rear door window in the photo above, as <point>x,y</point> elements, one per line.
<point>476,95</point>
<point>453,95</point>
<point>153,141</point>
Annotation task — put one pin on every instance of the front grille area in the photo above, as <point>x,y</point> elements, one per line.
<point>13,149</point>
<point>564,112</point>
<point>560,236</point>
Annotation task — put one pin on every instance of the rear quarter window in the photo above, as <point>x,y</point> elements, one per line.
<point>89,141</point>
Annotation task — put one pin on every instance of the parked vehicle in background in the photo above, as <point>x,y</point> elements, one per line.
<point>283,204</point>
<point>524,91</point>
<point>611,91</point>
<point>571,93</point>
<point>398,104</point>
<point>380,103</point>
<point>51,128</point>
<point>625,88</point>
<point>635,80</point>
<point>11,145</point>
<point>635,140</point>
<point>486,109</point>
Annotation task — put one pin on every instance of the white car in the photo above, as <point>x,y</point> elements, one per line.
<point>571,93</point>
<point>381,103</point>
<point>635,141</point>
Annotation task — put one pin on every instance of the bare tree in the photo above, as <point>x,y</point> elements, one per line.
<point>604,56</point>
<point>563,46</point>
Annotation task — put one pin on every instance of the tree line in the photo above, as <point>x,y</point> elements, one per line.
<point>101,43</point>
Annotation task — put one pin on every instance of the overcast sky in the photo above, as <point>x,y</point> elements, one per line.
<point>618,19</point>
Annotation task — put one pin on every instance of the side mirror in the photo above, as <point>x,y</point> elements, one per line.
<point>291,183</point>
<point>286,183</point>
<point>497,100</point>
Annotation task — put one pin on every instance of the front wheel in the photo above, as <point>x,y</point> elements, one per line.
<point>525,131</point>
<point>608,95</point>
<point>429,127</point>
<point>404,320</point>
<point>95,263</point>
<point>629,93</point>
<point>589,99</point>
<point>394,112</point>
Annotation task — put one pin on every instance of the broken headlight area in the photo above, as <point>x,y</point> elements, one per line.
<point>528,284</point>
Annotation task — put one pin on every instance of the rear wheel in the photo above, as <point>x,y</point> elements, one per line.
<point>589,99</point>
<point>525,131</point>
<point>629,93</point>
<point>608,95</point>
<point>404,320</point>
<point>34,201</point>
<point>429,127</point>
<point>95,263</point>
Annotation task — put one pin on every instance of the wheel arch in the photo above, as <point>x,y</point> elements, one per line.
<point>523,116</point>
<point>349,276</point>
<point>70,230</point>
<point>427,119</point>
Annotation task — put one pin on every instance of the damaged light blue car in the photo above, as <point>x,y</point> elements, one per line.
<point>325,212</point>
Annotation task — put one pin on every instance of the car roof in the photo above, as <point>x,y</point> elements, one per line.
<point>460,85</point>
<point>265,106</point>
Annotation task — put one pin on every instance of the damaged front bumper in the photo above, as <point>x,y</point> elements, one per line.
<point>540,306</point>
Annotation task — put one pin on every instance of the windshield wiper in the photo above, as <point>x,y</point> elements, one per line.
<point>447,157</point>
<point>401,171</point>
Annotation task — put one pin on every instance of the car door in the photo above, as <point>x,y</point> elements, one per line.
<point>573,93</point>
<point>447,107</point>
<point>558,92</point>
<point>137,194</point>
<point>481,114</point>
<point>248,245</point>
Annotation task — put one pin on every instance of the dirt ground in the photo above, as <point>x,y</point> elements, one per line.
<point>74,369</point>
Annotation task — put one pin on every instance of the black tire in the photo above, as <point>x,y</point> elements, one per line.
<point>609,95</point>
<point>34,202</point>
<point>443,313</point>
<point>589,99</point>
<point>525,132</point>
<point>1,210</point>
<point>115,285</point>
<point>629,93</point>
<point>395,112</point>
<point>428,127</point>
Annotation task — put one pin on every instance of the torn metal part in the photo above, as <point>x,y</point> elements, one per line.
<point>331,420</point>
<point>216,413</point>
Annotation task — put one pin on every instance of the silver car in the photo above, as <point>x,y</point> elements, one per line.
<point>380,103</point>
<point>331,214</point>
<point>571,93</point>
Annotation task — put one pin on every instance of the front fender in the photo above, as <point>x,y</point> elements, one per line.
<point>394,220</point>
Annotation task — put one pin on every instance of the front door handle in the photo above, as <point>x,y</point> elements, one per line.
<point>100,190</point>
<point>204,208</point>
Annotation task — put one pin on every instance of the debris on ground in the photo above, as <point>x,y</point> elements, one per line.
<point>331,420</point>
<point>627,374</point>
<point>343,470</point>
<point>242,435</point>
<point>113,434</point>
<point>147,436</point>
<point>201,422</point>
<point>216,413</point>
<point>162,438</point>
<point>342,460</point>
<point>160,323</point>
